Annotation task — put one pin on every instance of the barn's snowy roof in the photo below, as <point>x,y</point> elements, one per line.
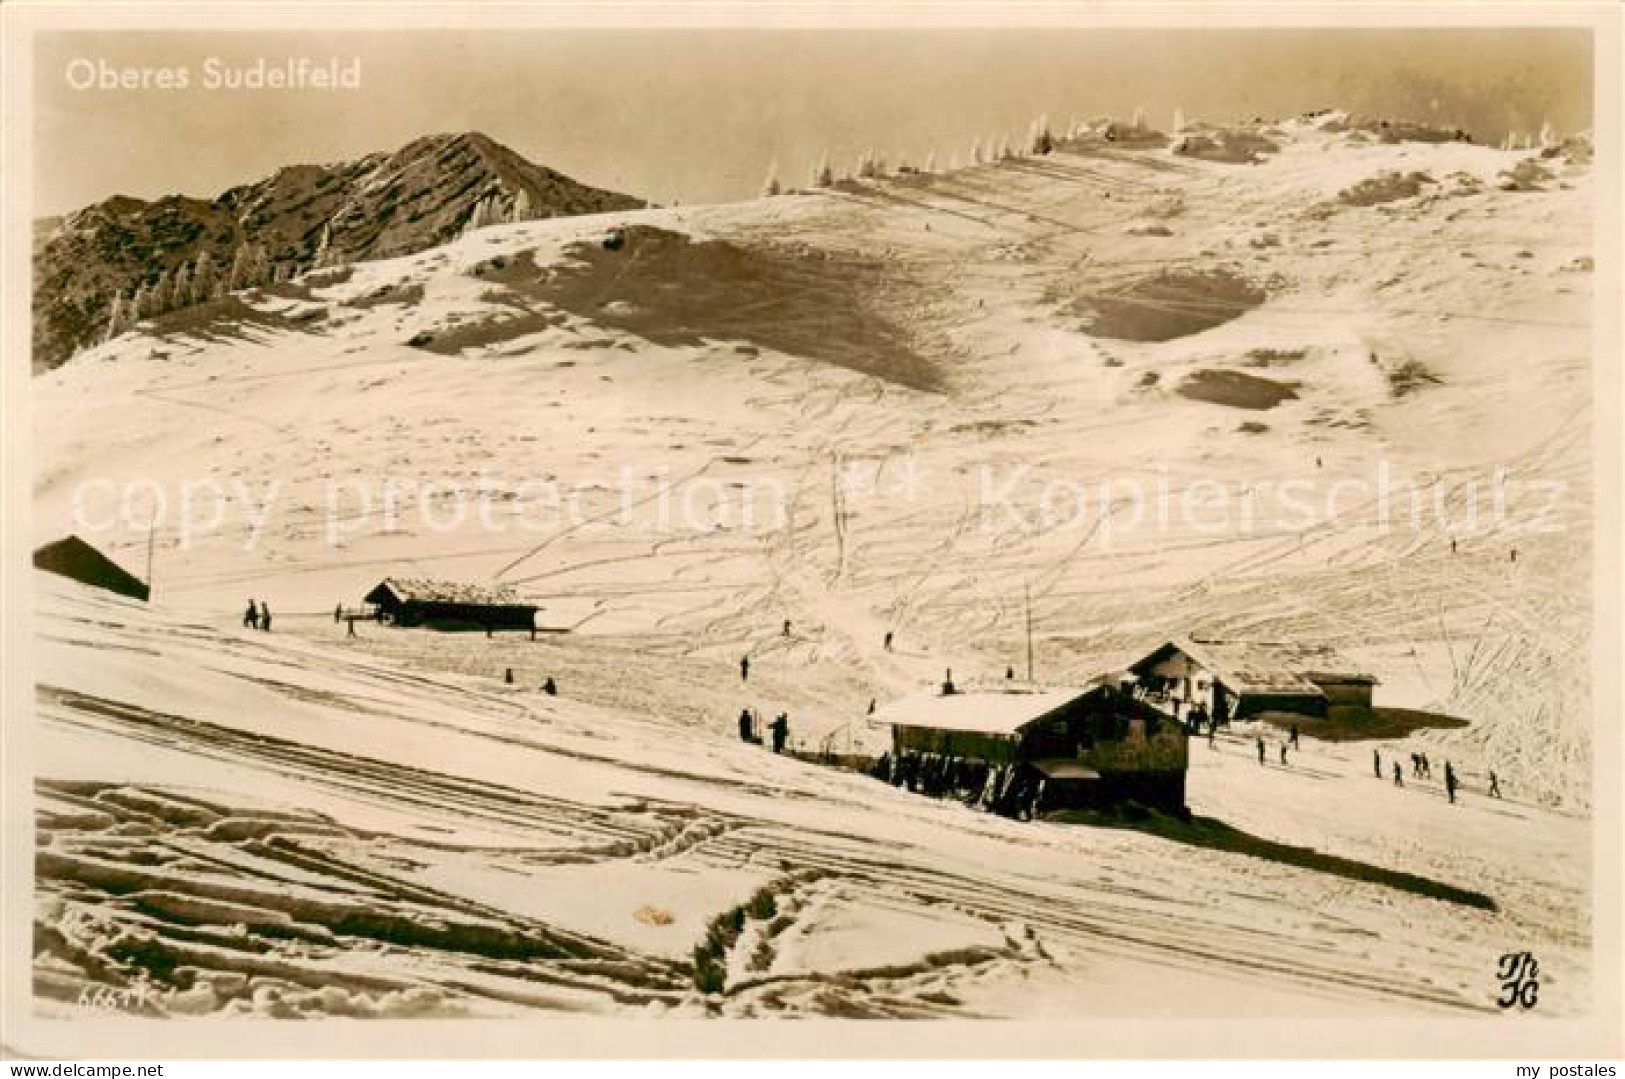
<point>1264,668</point>
<point>425,590</point>
<point>977,711</point>
<point>77,560</point>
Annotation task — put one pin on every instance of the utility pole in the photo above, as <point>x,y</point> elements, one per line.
<point>151,528</point>
<point>1027,592</point>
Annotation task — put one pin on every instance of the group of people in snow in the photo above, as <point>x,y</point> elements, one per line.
<point>779,729</point>
<point>1291,741</point>
<point>1421,768</point>
<point>257,617</point>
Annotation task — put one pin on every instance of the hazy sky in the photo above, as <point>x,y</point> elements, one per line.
<point>697,116</point>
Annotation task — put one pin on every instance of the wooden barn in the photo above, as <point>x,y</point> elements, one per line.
<point>418,601</point>
<point>1236,679</point>
<point>72,557</point>
<point>1093,747</point>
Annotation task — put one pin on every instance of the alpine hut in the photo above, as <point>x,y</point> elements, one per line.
<point>1086,747</point>
<point>418,601</point>
<point>1235,679</point>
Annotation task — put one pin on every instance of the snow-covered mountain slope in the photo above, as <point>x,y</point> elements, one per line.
<point>883,407</point>
<point>271,825</point>
<point>174,251</point>
<point>902,369</point>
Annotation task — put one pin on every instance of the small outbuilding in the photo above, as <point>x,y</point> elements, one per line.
<point>72,557</point>
<point>1229,679</point>
<point>419,601</point>
<point>1090,747</point>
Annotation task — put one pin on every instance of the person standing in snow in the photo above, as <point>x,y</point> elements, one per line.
<point>1495,785</point>
<point>1376,764</point>
<point>747,726</point>
<point>1294,736</point>
<point>1260,749</point>
<point>1399,775</point>
<point>888,640</point>
<point>781,731</point>
<point>251,617</point>
<point>550,687</point>
<point>265,617</point>
<point>1450,782</point>
<point>1283,754</point>
<point>744,668</point>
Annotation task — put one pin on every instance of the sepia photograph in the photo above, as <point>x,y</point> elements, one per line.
<point>1037,530</point>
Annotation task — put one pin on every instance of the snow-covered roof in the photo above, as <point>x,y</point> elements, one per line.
<point>426,590</point>
<point>77,560</point>
<point>998,712</point>
<point>1264,668</point>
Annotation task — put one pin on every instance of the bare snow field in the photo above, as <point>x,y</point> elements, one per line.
<point>300,823</point>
